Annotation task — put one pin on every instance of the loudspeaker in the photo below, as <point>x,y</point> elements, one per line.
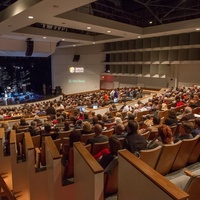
<point>58,90</point>
<point>76,58</point>
<point>29,48</point>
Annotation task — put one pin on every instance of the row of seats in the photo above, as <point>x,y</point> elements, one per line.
<point>172,157</point>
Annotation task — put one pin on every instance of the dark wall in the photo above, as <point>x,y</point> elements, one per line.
<point>34,72</point>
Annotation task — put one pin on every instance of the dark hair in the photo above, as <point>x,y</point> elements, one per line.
<point>188,126</point>
<point>165,133</point>
<point>75,136</point>
<point>156,120</point>
<point>132,127</point>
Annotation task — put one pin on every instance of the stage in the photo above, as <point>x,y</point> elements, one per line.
<point>20,98</point>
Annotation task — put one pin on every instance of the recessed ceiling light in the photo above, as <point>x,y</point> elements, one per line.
<point>197,29</point>
<point>63,39</point>
<point>139,36</point>
<point>74,45</point>
<point>108,31</point>
<point>30,17</point>
<point>88,27</point>
<point>150,22</point>
<point>44,37</point>
<point>93,43</point>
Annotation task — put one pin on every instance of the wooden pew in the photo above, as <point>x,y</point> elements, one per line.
<point>88,174</point>
<point>139,181</point>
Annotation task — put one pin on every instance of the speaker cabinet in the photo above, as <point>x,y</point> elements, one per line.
<point>76,58</point>
<point>29,48</point>
<point>58,90</point>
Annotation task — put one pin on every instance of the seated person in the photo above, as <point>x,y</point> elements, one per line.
<point>119,131</point>
<point>33,129</point>
<point>86,128</point>
<point>134,142</point>
<point>98,138</point>
<point>185,130</point>
<point>23,123</point>
<point>187,115</point>
<point>196,130</point>
<point>171,120</point>
<point>164,137</point>
<point>107,155</point>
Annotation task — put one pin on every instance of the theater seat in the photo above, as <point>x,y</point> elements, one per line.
<point>150,156</point>
<point>97,147</point>
<point>193,186</point>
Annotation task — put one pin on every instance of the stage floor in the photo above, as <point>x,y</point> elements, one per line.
<point>23,98</point>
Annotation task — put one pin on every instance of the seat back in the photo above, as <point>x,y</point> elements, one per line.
<point>63,134</point>
<point>146,135</point>
<point>184,152</point>
<point>97,147</point>
<point>150,156</point>
<point>19,141</point>
<point>108,133</point>
<point>58,144</point>
<point>192,187</point>
<point>110,125</point>
<point>85,137</point>
<point>167,157</point>
<point>36,141</point>
<point>88,147</point>
<point>194,156</point>
<point>111,178</point>
<point>196,110</point>
<point>173,129</point>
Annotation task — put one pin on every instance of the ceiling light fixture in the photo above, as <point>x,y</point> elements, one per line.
<point>93,43</point>
<point>108,31</point>
<point>30,17</point>
<point>197,29</point>
<point>74,45</point>
<point>150,22</point>
<point>63,39</point>
<point>139,36</point>
<point>88,27</point>
<point>44,37</point>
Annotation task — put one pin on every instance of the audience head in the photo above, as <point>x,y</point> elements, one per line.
<point>86,126</point>
<point>186,128</point>
<point>75,136</point>
<point>165,133</point>
<point>132,127</point>
<point>119,129</point>
<point>118,120</point>
<point>188,110</point>
<point>156,120</point>
<point>98,129</point>
<point>66,126</point>
<point>5,126</point>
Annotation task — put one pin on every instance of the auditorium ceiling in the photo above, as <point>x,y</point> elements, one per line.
<point>85,22</point>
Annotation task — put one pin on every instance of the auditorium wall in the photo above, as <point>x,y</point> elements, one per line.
<point>91,59</point>
<point>94,76</point>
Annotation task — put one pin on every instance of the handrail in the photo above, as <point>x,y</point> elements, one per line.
<point>93,164</point>
<point>52,148</point>
<point>159,180</point>
<point>6,190</point>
